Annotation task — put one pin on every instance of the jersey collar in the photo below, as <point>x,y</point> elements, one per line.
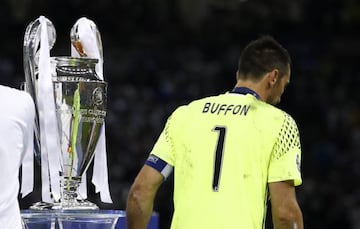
<point>244,91</point>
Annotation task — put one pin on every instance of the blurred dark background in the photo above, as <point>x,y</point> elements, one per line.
<point>161,54</point>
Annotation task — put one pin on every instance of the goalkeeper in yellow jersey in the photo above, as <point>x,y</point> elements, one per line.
<point>230,153</point>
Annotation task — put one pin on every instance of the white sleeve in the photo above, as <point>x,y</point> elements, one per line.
<point>27,171</point>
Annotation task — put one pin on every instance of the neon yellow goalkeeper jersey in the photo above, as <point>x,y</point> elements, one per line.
<point>224,150</point>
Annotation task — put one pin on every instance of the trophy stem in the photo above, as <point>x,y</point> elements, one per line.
<point>69,187</point>
<point>69,194</point>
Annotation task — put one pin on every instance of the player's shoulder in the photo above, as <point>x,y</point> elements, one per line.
<point>276,113</point>
<point>15,95</point>
<point>13,91</point>
<point>201,101</point>
<point>186,110</point>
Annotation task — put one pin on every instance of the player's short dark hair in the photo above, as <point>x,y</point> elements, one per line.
<point>261,56</point>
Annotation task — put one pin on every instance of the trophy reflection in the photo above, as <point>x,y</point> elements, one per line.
<point>77,95</point>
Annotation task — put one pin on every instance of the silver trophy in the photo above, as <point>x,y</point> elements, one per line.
<point>80,105</point>
<point>80,100</point>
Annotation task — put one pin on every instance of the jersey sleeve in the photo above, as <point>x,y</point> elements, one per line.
<point>164,147</point>
<point>286,154</point>
<point>27,171</point>
<point>29,122</point>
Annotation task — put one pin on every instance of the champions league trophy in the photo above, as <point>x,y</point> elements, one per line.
<point>70,99</point>
<point>80,100</point>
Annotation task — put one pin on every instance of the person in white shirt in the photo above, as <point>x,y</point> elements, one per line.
<point>17,114</point>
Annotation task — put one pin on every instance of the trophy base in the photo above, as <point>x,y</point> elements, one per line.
<point>74,205</point>
<point>41,206</point>
<point>70,200</point>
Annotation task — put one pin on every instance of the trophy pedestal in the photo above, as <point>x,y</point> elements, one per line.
<point>68,201</point>
<point>56,219</point>
<point>98,219</point>
<point>75,205</point>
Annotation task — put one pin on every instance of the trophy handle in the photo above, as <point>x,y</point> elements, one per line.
<point>31,60</point>
<point>76,41</point>
<point>85,38</point>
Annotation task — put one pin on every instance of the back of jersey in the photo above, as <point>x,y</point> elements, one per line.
<point>222,148</point>
<point>221,162</point>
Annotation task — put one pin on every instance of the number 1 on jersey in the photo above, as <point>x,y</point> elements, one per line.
<point>218,156</point>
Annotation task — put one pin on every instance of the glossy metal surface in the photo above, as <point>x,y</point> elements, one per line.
<point>80,102</point>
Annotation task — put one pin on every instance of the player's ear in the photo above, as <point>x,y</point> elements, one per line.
<point>273,77</point>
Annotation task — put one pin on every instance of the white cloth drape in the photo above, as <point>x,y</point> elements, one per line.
<point>49,134</point>
<point>91,44</point>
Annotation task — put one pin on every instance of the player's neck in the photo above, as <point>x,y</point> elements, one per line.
<point>257,87</point>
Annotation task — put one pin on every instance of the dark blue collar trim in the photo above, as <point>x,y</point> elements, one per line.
<point>244,91</point>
